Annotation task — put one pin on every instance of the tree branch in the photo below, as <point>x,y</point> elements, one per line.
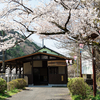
<point>69,17</point>
<point>12,10</point>
<point>77,5</point>
<point>25,26</point>
<point>26,8</point>
<point>53,33</point>
<point>40,15</point>
<point>59,26</point>
<point>64,5</point>
<point>22,40</point>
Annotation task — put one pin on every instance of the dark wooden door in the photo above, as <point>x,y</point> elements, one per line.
<point>36,75</point>
<point>40,76</point>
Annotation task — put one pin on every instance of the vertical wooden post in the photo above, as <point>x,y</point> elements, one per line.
<point>66,73</point>
<point>94,72</point>
<point>23,70</point>
<point>32,72</point>
<point>20,71</point>
<point>80,65</point>
<point>10,69</point>
<point>66,69</point>
<point>16,67</point>
<point>48,74</point>
<point>0,68</point>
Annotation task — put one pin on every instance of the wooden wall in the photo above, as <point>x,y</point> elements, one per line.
<point>57,79</point>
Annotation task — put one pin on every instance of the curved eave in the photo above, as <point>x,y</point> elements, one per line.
<point>19,58</point>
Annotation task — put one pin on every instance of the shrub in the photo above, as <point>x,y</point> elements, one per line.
<point>3,85</point>
<point>98,82</point>
<point>12,85</point>
<point>21,83</point>
<point>17,83</point>
<point>77,97</point>
<point>77,86</point>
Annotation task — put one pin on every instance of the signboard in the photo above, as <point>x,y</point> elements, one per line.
<point>86,63</point>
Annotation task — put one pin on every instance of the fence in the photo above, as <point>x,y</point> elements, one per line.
<point>9,77</point>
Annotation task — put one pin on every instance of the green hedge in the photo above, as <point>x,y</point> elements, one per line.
<point>17,83</point>
<point>3,85</point>
<point>98,82</point>
<point>77,86</point>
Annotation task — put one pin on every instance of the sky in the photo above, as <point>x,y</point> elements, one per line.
<point>48,43</point>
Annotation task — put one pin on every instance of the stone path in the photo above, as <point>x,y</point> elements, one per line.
<point>42,93</point>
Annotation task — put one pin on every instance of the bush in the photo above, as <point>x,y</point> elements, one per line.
<point>3,85</point>
<point>17,83</point>
<point>77,97</point>
<point>98,82</point>
<point>12,84</point>
<point>77,86</point>
<point>22,83</point>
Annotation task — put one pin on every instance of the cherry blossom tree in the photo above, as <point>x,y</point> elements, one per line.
<point>7,41</point>
<point>73,19</point>
<point>68,20</point>
<point>76,20</point>
<point>20,16</point>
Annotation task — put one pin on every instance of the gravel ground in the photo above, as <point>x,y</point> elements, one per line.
<point>42,93</point>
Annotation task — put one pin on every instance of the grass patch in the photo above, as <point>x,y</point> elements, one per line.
<point>12,92</point>
<point>9,94</point>
<point>89,97</point>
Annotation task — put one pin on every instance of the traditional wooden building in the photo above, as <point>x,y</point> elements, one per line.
<point>44,67</point>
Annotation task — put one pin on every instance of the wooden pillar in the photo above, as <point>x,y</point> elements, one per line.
<point>48,73</point>
<point>66,72</point>
<point>94,72</point>
<point>66,69</point>
<point>16,67</point>
<point>23,70</point>
<point>32,72</point>
<point>80,65</point>
<point>20,71</point>
<point>0,68</point>
<point>10,69</point>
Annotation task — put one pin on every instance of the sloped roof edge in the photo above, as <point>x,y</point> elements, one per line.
<point>36,54</point>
